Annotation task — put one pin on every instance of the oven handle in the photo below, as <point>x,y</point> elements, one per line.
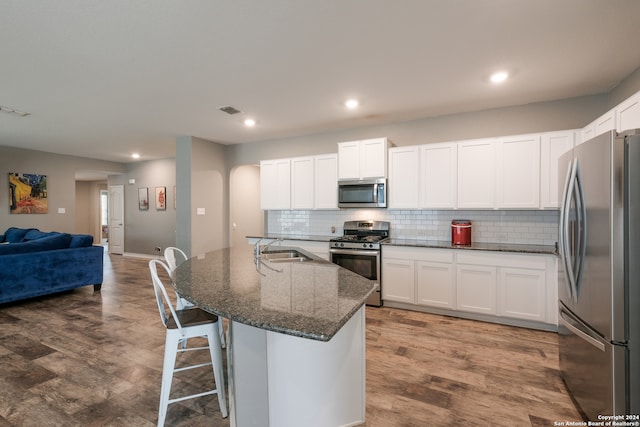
<point>354,252</point>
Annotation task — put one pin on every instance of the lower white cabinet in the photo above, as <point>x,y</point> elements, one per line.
<point>500,285</point>
<point>476,286</point>
<point>398,276</point>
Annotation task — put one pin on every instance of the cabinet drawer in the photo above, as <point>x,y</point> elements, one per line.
<point>502,259</point>
<point>417,254</point>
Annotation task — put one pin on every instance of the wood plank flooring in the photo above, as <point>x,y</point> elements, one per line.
<point>95,359</point>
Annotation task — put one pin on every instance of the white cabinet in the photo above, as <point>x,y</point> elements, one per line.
<point>275,184</point>
<point>476,288</point>
<point>438,176</point>
<point>518,172</point>
<point>299,183</point>
<point>326,182</point>
<point>363,159</point>
<point>423,276</point>
<point>521,293</point>
<point>476,174</point>
<point>404,177</point>
<point>602,124</point>
<point>552,146</point>
<point>435,284</point>
<point>302,183</point>
<point>628,113</point>
<point>398,278</point>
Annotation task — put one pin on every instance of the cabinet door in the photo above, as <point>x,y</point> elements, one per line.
<point>404,177</point>
<point>373,158</point>
<point>398,280</point>
<point>588,132</point>
<point>326,182</point>
<point>302,183</point>
<point>552,146</point>
<point>349,160</point>
<point>275,184</point>
<point>435,284</point>
<point>605,122</point>
<point>438,176</point>
<point>476,174</point>
<point>628,113</point>
<point>476,288</point>
<point>518,172</point>
<point>521,293</point>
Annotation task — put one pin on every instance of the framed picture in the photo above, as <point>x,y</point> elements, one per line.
<point>28,193</point>
<point>143,198</point>
<point>161,198</point>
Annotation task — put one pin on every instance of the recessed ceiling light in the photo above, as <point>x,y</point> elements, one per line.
<point>351,103</point>
<point>499,77</point>
<point>135,155</point>
<point>249,123</point>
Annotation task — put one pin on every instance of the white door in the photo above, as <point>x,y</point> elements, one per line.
<point>116,219</point>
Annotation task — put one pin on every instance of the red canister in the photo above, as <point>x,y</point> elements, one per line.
<point>460,232</point>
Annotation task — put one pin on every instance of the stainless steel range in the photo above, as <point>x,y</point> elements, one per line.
<point>358,250</point>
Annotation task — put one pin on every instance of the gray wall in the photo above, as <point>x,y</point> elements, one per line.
<point>203,175</point>
<point>540,117</point>
<point>147,229</point>
<point>61,187</point>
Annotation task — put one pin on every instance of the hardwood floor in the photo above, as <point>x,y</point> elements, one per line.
<point>95,359</point>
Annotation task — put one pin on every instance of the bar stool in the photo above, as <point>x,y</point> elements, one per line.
<point>180,325</point>
<point>174,257</point>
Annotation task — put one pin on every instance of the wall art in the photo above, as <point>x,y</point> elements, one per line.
<point>143,198</point>
<point>27,193</point>
<point>161,198</point>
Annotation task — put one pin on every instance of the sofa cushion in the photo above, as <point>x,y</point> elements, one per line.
<point>15,234</point>
<point>81,240</point>
<point>35,234</point>
<point>56,241</point>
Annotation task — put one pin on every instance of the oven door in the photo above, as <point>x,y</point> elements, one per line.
<point>363,262</point>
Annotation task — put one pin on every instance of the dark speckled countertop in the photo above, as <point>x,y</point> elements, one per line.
<point>310,299</point>
<point>479,246</point>
<point>306,237</point>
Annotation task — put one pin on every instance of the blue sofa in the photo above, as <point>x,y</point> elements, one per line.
<point>35,263</point>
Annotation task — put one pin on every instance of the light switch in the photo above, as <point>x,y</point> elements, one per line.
<point>62,210</point>
<point>200,211</point>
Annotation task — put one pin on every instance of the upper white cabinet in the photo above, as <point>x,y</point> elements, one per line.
<point>628,113</point>
<point>299,183</point>
<point>404,177</point>
<point>476,173</point>
<point>552,146</point>
<point>275,184</point>
<point>363,159</point>
<point>518,172</point>
<point>326,182</point>
<point>438,176</point>
<point>302,183</point>
<point>602,124</point>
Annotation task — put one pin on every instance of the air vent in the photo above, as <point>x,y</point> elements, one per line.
<point>229,109</point>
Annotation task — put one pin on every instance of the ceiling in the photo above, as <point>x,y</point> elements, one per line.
<point>104,79</point>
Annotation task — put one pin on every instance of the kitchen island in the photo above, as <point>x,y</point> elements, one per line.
<point>296,341</point>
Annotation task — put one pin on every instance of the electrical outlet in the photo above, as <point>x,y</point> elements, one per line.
<point>158,249</point>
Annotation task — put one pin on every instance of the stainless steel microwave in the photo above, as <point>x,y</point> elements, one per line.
<point>362,193</point>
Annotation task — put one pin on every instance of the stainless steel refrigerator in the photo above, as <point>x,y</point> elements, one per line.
<point>599,273</point>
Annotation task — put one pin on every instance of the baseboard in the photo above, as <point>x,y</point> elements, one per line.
<point>144,256</point>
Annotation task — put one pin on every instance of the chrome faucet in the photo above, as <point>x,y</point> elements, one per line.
<point>256,248</point>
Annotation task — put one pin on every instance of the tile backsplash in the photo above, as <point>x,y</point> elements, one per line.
<point>533,227</point>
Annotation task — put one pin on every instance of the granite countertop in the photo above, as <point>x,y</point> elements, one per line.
<point>478,246</point>
<point>310,299</point>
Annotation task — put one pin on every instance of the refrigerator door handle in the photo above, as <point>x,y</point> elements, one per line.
<point>567,323</point>
<point>581,216</point>
<point>567,243</point>
<point>562,225</point>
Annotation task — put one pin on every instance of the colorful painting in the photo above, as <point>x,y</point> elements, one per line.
<point>27,193</point>
<point>161,198</point>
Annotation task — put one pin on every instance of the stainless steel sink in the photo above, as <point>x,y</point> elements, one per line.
<point>284,256</point>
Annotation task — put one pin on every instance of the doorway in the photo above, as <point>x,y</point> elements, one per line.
<point>246,217</point>
<point>116,219</point>
<point>104,218</point>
